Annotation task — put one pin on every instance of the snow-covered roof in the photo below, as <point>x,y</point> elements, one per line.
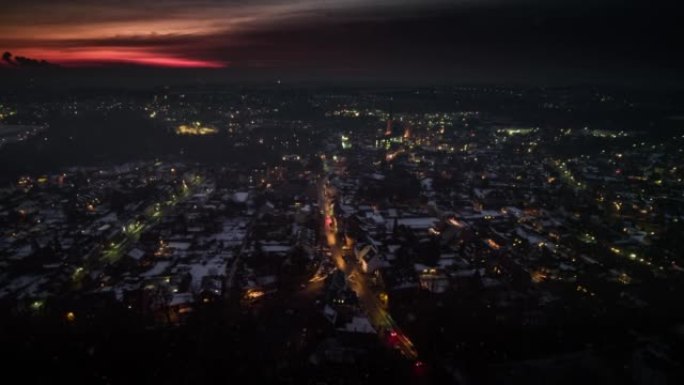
<point>179,245</point>
<point>181,298</point>
<point>215,266</point>
<point>276,248</point>
<point>359,324</point>
<point>158,269</point>
<point>418,223</point>
<point>240,197</point>
<point>136,254</point>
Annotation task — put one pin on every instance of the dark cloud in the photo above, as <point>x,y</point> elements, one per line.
<point>7,57</point>
<point>512,41</point>
<point>25,62</point>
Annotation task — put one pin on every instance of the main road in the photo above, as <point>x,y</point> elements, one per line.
<point>360,283</point>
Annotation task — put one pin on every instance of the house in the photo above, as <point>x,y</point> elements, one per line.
<point>358,324</point>
<point>369,258</point>
<point>338,293</point>
<point>431,278</point>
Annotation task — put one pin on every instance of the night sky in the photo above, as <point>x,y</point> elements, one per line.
<point>496,40</point>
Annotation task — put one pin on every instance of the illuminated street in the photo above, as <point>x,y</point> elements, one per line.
<point>153,214</point>
<point>359,282</point>
<point>110,253</point>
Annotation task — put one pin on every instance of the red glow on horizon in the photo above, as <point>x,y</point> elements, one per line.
<point>98,57</point>
<point>167,62</point>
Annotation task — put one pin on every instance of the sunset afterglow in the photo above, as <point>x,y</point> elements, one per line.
<point>175,33</point>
